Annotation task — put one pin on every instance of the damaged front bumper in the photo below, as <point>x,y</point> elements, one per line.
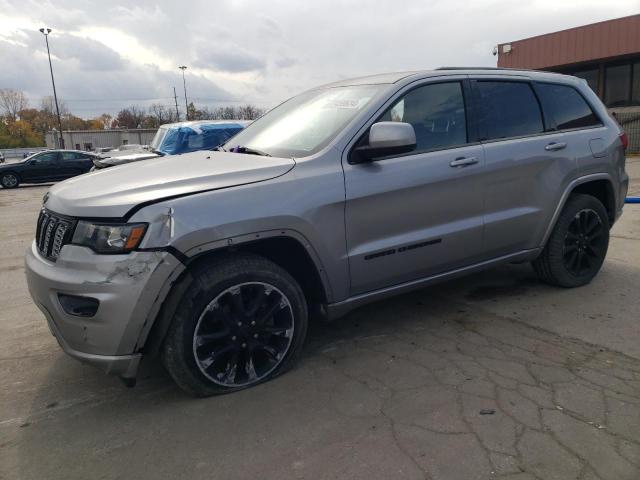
<point>128,289</point>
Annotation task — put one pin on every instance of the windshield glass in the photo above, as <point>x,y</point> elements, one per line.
<point>305,124</point>
<point>157,140</point>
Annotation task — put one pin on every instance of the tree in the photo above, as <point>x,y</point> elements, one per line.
<point>18,134</point>
<point>131,117</point>
<point>41,121</point>
<point>48,104</point>
<point>249,112</point>
<point>191,112</point>
<point>71,122</point>
<point>105,120</point>
<point>161,114</point>
<point>12,103</point>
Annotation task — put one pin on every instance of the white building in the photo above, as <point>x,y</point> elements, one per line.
<point>92,139</point>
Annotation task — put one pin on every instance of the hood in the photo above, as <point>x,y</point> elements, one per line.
<point>112,192</point>
<point>106,161</point>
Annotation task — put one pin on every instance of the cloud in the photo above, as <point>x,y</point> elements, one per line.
<point>92,78</point>
<point>256,51</point>
<point>89,54</point>
<point>230,58</point>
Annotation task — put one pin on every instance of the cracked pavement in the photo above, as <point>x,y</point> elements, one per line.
<point>490,377</point>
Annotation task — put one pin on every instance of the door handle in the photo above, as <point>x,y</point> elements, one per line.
<point>553,146</point>
<point>463,162</point>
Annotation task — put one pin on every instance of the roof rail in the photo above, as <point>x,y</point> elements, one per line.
<point>478,68</point>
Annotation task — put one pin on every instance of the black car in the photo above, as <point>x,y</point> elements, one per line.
<point>47,166</point>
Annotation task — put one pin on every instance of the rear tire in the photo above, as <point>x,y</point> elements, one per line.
<point>9,180</point>
<point>241,322</point>
<point>578,244</point>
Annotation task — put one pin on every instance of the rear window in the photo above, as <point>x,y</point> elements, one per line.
<point>565,107</point>
<point>509,109</point>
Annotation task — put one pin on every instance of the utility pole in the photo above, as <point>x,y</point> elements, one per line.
<point>175,97</point>
<point>184,84</point>
<point>46,32</point>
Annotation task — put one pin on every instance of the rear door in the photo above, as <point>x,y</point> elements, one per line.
<point>74,163</point>
<point>526,162</point>
<point>417,214</point>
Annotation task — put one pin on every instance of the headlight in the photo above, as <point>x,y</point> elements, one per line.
<point>109,238</point>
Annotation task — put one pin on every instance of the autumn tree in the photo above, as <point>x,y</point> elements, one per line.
<point>12,102</point>
<point>105,121</point>
<point>131,117</point>
<point>18,134</point>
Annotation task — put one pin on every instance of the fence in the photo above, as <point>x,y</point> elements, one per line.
<point>630,121</point>
<point>19,152</point>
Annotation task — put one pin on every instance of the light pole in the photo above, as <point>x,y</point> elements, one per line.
<point>184,84</point>
<point>46,32</point>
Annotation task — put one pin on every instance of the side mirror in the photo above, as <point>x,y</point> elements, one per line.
<point>386,138</point>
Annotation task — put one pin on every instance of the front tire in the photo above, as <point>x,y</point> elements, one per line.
<point>9,180</point>
<point>578,244</point>
<point>241,322</point>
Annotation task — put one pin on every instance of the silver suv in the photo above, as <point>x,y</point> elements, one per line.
<point>343,195</point>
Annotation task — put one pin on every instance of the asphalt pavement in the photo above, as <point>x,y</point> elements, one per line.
<point>491,376</point>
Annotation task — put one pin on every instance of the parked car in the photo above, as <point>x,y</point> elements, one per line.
<point>343,195</point>
<point>47,166</point>
<point>1,157</point>
<point>177,138</point>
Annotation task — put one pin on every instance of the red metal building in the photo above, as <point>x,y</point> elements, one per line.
<point>606,54</point>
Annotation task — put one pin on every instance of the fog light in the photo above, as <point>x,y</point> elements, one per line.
<point>78,306</point>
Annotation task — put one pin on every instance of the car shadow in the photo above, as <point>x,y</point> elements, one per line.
<point>30,185</point>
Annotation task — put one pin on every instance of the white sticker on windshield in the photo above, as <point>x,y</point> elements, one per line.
<point>349,103</point>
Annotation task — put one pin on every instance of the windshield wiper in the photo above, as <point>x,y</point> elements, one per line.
<point>220,148</point>
<point>250,151</point>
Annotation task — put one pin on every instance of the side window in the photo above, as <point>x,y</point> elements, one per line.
<point>509,109</point>
<point>436,112</point>
<point>194,141</point>
<point>69,156</point>
<point>48,157</point>
<point>213,138</point>
<point>565,106</point>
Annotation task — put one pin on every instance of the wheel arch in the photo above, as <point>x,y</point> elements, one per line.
<point>15,172</point>
<point>289,251</point>
<point>598,185</point>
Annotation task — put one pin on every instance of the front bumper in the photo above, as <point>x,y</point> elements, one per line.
<point>129,288</point>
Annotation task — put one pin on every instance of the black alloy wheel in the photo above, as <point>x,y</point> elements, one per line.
<point>9,180</point>
<point>577,245</point>
<point>243,334</point>
<point>584,243</point>
<point>236,320</point>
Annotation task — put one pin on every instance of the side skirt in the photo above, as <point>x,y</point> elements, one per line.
<point>339,309</point>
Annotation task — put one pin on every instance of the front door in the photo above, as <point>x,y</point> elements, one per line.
<point>43,167</point>
<point>421,213</point>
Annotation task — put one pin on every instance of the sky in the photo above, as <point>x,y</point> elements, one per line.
<point>108,55</point>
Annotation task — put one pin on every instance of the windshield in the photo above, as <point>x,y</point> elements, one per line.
<point>190,138</point>
<point>159,137</point>
<point>305,124</point>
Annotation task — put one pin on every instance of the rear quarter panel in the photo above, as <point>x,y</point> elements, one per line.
<point>605,152</point>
